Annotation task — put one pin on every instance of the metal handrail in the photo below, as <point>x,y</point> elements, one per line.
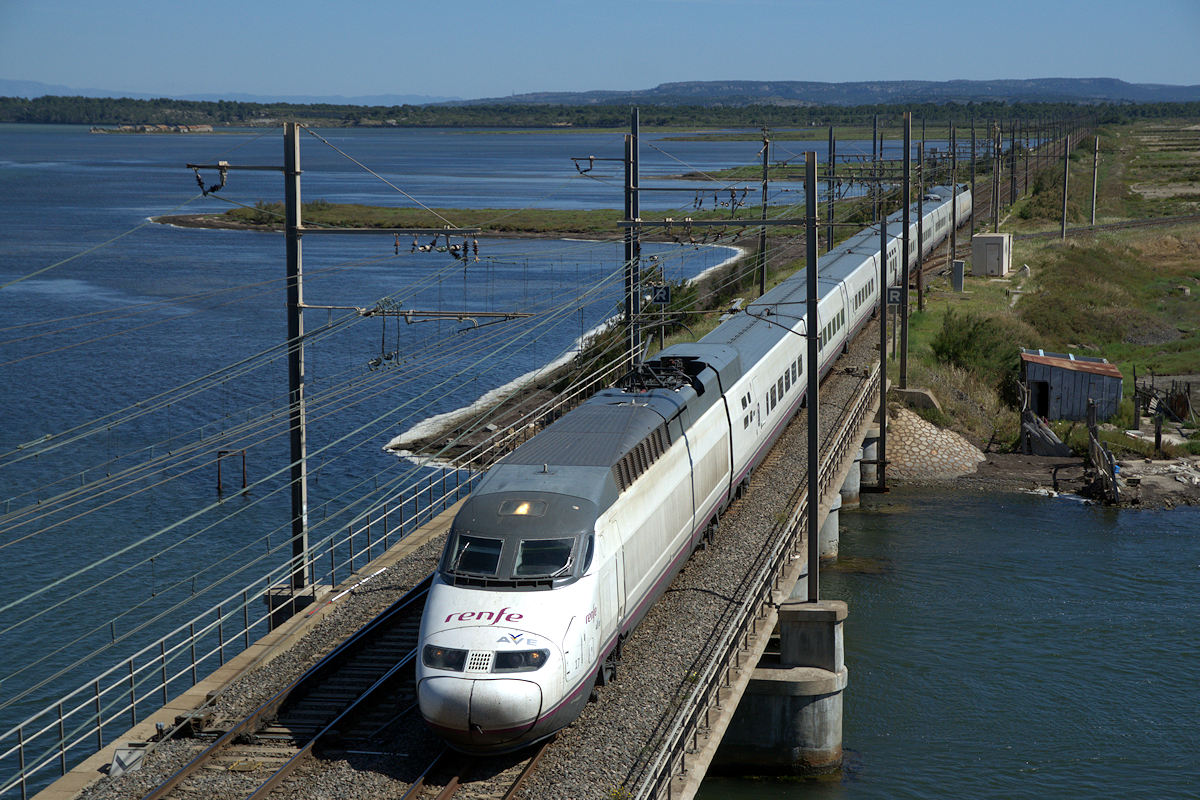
<point>724,655</point>
<point>44,738</point>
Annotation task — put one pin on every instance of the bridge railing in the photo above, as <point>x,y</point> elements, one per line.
<point>724,655</point>
<point>83,721</point>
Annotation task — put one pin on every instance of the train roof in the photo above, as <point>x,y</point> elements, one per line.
<point>594,451</point>
<point>596,434</point>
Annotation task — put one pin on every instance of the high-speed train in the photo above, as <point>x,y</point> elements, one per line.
<point>567,542</point>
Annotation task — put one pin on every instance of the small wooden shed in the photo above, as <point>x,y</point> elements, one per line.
<point>1060,384</point>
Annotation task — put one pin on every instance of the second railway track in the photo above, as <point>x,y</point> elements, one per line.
<point>350,701</point>
<point>350,719</point>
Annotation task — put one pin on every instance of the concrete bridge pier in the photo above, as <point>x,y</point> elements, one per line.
<point>870,452</point>
<point>828,537</point>
<point>850,487</point>
<point>789,721</point>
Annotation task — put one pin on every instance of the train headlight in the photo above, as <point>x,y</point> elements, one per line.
<point>447,658</point>
<point>519,660</point>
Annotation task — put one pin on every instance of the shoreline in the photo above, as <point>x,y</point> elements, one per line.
<point>422,434</point>
<point>218,221</point>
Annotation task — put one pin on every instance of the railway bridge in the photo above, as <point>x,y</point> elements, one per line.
<point>654,732</point>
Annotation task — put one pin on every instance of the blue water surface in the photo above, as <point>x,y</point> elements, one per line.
<point>1013,646</point>
<point>106,316</point>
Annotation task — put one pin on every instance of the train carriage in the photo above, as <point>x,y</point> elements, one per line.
<point>566,543</point>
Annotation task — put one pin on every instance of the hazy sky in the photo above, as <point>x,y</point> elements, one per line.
<point>484,48</point>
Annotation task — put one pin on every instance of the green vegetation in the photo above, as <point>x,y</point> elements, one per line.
<point>601,223</point>
<point>1132,296</point>
<point>547,222</point>
<point>126,111</point>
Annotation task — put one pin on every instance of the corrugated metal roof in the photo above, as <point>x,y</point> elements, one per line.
<point>592,435</point>
<point>1075,364</point>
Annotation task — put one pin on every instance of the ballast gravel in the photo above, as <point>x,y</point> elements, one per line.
<point>606,752</point>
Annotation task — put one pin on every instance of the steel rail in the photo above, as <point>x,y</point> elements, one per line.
<point>315,674</point>
<point>456,782</point>
<point>527,771</point>
<point>418,785</point>
<point>725,655</point>
<point>383,682</point>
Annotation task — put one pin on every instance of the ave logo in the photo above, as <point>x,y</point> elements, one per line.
<point>517,638</point>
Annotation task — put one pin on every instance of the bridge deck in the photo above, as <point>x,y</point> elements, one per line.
<point>615,742</point>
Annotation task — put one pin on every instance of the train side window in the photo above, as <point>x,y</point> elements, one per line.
<point>795,375</point>
<point>746,421</point>
<point>781,387</point>
<point>787,380</point>
<point>772,403</point>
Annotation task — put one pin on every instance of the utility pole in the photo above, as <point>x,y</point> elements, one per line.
<point>762,234</point>
<point>953,193</point>
<point>921,224</point>
<point>907,201</point>
<point>881,458</point>
<point>875,189</point>
<point>295,323</point>
<point>973,203</point>
<point>633,245</point>
<point>1025,131</point>
<point>996,163</point>
<point>294,230</point>
<point>1012,159</point>
<point>1066,174</point>
<point>832,156</point>
<point>812,326</point>
<point>1095,174</point>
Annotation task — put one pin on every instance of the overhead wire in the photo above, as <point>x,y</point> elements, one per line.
<point>370,171</point>
<point>93,248</point>
<point>91,492</point>
<point>94,487</point>
<point>570,305</point>
<point>127,548</point>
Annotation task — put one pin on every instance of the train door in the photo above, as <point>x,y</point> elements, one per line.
<point>612,581</point>
<point>574,647</point>
<point>756,403</point>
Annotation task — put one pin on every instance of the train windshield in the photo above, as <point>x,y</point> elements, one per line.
<point>476,555</point>
<point>543,558</point>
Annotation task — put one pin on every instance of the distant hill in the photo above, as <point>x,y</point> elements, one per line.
<point>718,93</point>
<point>811,93</point>
<point>33,89</point>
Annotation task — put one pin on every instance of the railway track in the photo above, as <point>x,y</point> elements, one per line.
<point>349,701</point>
<point>491,778</point>
<point>356,706</point>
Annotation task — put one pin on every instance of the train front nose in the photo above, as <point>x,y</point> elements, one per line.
<point>480,712</point>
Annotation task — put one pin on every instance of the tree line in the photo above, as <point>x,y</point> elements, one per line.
<point>127,111</point>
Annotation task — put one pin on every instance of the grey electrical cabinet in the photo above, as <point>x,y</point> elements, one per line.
<point>991,254</point>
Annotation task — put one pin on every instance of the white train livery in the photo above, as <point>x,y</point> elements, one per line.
<point>566,543</point>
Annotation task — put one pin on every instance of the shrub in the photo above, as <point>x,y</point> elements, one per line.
<point>984,345</point>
